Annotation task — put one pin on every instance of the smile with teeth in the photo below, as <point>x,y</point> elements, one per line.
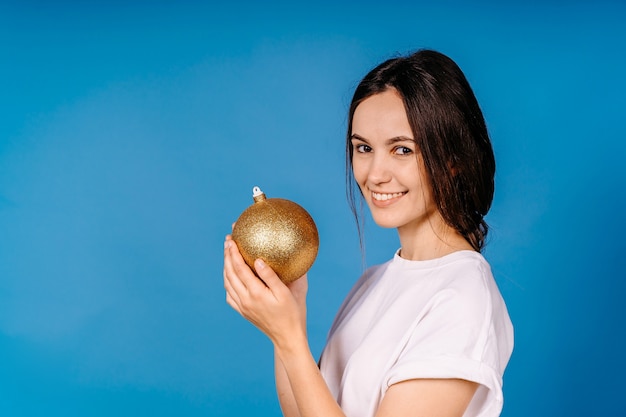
<point>385,196</point>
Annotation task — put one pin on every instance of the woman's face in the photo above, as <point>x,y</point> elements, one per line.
<point>387,165</point>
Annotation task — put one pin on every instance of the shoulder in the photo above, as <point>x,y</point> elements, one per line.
<point>370,276</point>
<point>459,286</point>
<point>468,297</point>
<point>466,274</point>
<point>461,331</point>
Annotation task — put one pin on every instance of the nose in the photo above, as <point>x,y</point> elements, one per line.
<point>379,170</point>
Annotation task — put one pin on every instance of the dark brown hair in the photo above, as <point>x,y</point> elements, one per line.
<point>449,130</point>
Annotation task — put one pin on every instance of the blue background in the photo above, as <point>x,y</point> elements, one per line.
<point>131,134</point>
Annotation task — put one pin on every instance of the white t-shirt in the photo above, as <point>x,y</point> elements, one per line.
<point>440,318</point>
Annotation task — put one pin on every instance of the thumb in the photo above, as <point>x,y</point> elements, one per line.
<point>267,274</point>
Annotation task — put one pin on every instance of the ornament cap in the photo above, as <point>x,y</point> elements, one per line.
<point>257,194</point>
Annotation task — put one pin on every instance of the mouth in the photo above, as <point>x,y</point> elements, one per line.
<point>386,196</point>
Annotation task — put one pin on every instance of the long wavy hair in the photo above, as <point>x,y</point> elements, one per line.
<point>449,130</point>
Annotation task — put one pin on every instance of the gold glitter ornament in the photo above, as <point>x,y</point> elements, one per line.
<point>280,232</point>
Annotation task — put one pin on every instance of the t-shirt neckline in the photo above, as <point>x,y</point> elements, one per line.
<point>435,262</point>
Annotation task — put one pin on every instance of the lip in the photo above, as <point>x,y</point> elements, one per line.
<point>387,198</point>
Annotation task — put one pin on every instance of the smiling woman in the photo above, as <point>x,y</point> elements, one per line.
<point>428,100</point>
<point>426,333</point>
<point>387,166</point>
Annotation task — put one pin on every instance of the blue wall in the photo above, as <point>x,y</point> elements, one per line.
<point>131,134</point>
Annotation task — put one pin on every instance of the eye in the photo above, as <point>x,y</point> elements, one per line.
<point>402,150</point>
<point>362,148</point>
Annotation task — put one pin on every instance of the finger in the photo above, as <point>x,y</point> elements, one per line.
<point>269,277</point>
<point>240,268</point>
<point>231,293</point>
<point>231,302</point>
<point>299,287</point>
<point>243,280</point>
<point>230,274</point>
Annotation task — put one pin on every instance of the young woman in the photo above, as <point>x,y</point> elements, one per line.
<point>427,333</point>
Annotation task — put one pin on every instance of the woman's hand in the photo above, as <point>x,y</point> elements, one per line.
<point>276,309</point>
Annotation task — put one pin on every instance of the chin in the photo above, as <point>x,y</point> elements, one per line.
<point>386,223</point>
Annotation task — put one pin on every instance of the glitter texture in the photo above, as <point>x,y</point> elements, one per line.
<point>281,233</point>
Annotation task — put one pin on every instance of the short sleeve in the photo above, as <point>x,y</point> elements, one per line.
<point>455,338</point>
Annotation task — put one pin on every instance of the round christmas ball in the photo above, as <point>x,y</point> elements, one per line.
<point>280,232</point>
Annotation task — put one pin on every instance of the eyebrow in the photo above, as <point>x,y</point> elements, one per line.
<point>389,141</point>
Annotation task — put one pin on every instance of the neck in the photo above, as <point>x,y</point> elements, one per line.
<point>431,240</point>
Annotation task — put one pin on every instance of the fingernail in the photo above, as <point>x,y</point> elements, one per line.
<point>227,244</point>
<point>259,264</point>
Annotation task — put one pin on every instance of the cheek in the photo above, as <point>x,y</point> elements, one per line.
<point>425,189</point>
<point>410,176</point>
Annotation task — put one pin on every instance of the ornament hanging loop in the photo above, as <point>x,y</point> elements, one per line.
<point>257,194</point>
